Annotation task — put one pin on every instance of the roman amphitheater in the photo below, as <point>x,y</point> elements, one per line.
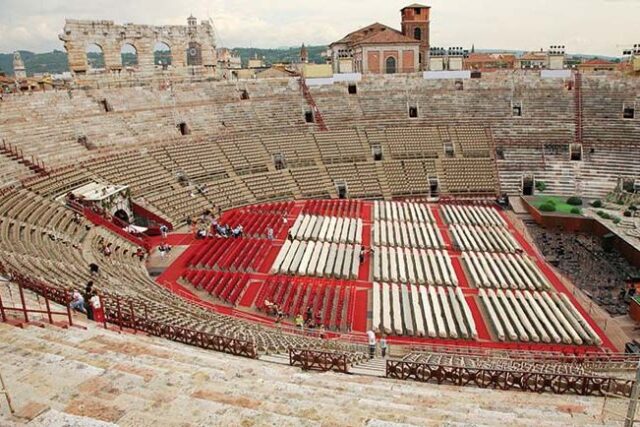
<point>302,215</point>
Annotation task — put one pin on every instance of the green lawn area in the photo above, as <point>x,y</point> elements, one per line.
<point>561,203</point>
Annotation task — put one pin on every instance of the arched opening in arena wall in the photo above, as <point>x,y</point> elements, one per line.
<point>376,151</point>
<point>183,128</point>
<point>575,152</point>
<point>162,55</point>
<point>128,56</point>
<point>95,57</point>
<point>308,116</point>
<point>629,111</point>
<point>434,186</point>
<point>528,185</point>
<point>122,215</point>
<point>341,188</point>
<point>390,65</point>
<point>279,161</point>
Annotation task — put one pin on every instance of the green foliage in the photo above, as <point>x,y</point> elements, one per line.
<point>603,215</point>
<point>547,207</point>
<point>574,201</point>
<point>273,56</point>
<point>576,211</point>
<point>597,203</point>
<point>616,220</point>
<point>37,63</point>
<point>633,208</point>
<point>541,186</point>
<point>620,202</point>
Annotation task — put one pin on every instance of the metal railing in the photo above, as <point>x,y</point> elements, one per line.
<point>125,313</point>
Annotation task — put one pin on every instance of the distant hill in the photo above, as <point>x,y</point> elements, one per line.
<point>50,62</point>
<point>56,61</point>
<point>274,56</point>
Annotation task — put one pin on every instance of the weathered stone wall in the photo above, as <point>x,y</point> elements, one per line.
<point>79,34</point>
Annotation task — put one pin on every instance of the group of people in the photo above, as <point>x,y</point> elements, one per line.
<point>88,302</point>
<point>373,342</point>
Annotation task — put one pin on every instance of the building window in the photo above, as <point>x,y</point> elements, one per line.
<point>417,34</point>
<point>390,65</point>
<point>413,112</point>
<point>353,89</point>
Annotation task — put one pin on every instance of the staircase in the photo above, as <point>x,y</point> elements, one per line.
<point>14,153</point>
<point>375,367</point>
<point>577,94</point>
<point>314,108</point>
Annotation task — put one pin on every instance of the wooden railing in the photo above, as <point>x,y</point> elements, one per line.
<point>583,385</point>
<point>316,360</point>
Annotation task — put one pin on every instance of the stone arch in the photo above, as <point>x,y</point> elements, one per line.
<point>95,56</point>
<point>129,55</point>
<point>390,65</point>
<point>162,54</point>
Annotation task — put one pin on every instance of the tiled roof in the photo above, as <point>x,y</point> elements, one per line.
<point>415,6</point>
<point>376,33</point>
<point>597,61</point>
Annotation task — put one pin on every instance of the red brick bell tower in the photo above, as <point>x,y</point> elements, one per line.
<point>415,24</point>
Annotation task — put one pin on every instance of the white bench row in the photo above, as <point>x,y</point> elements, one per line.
<point>421,311</point>
<point>407,234</point>
<point>327,229</point>
<point>504,271</point>
<point>402,211</point>
<point>406,265</point>
<point>318,259</point>
<point>537,316</point>
<point>481,238</point>
<point>472,215</point>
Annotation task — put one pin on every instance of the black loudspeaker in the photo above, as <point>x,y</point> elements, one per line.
<point>607,242</point>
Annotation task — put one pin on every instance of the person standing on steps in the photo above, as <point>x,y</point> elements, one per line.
<point>371,337</point>
<point>383,345</point>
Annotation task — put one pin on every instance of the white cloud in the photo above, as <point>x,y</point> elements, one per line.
<point>586,26</point>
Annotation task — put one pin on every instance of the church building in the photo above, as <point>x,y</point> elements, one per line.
<point>378,48</point>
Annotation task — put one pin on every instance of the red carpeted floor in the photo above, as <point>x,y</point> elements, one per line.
<point>270,258</point>
<point>360,307</point>
<point>174,239</point>
<point>360,301</point>
<point>462,277</point>
<point>250,294</point>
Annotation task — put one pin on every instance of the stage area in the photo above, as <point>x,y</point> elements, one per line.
<point>448,274</point>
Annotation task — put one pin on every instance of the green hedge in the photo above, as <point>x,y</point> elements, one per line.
<point>574,201</point>
<point>547,207</point>
<point>597,203</point>
<point>576,211</point>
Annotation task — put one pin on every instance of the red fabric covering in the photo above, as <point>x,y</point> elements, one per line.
<point>176,239</point>
<point>330,295</point>
<point>360,305</point>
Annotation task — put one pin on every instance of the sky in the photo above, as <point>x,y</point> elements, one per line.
<point>602,27</point>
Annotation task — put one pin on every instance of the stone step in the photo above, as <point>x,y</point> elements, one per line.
<point>132,380</point>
